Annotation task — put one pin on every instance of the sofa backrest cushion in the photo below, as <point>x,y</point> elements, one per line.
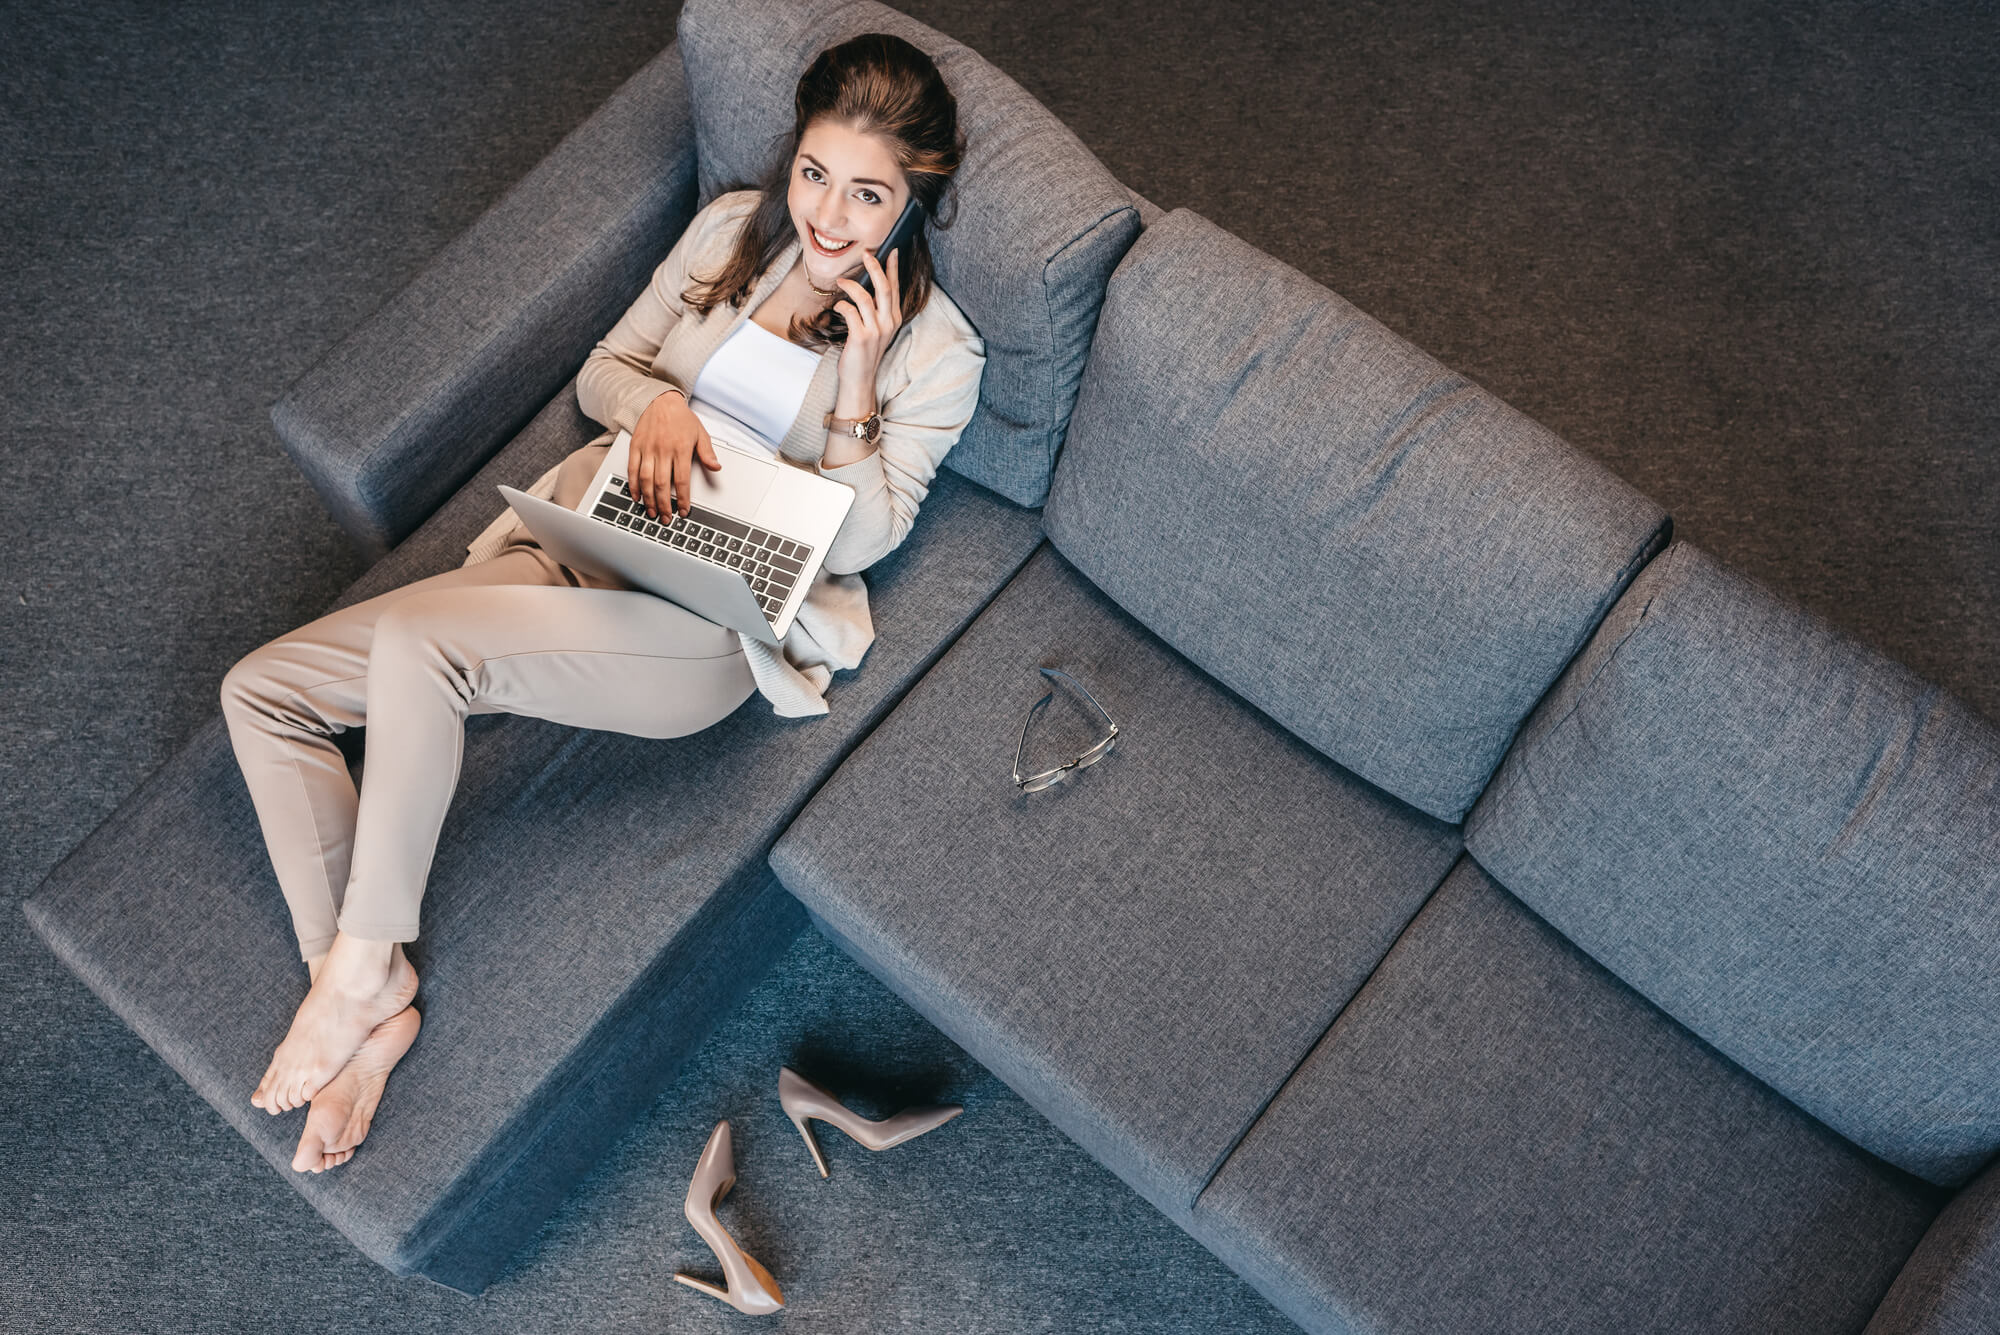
<point>1371,549</point>
<point>1039,223</point>
<point>1786,841</point>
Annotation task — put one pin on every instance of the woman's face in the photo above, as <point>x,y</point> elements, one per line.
<point>845,194</point>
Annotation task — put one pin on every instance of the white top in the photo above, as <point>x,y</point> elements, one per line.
<point>749,393</point>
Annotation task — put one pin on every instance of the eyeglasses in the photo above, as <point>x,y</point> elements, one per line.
<point>1034,783</point>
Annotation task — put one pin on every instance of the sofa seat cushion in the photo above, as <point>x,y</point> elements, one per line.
<point>1497,1135</point>
<point>1036,228</point>
<point>1372,549</point>
<point>597,900</point>
<point>1145,950</point>
<point>1790,843</point>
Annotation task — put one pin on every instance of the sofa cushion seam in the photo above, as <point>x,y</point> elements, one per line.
<point>1498,790</point>
<point>1256,1116</point>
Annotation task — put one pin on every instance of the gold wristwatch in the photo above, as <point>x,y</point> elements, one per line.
<point>867,428</point>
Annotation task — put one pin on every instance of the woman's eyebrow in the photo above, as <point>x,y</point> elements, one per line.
<point>859,180</point>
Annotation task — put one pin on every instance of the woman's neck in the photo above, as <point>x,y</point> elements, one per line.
<point>792,298</point>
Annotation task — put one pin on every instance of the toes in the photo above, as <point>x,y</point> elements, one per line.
<point>312,1151</point>
<point>317,1146</point>
<point>276,1092</point>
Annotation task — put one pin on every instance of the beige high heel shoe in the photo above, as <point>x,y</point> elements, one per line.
<point>803,1101</point>
<point>749,1286</point>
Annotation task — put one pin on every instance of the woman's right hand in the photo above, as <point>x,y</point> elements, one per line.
<point>667,441</point>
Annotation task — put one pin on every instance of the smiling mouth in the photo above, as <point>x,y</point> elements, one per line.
<point>825,245</point>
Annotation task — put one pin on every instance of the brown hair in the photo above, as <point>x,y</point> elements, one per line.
<point>879,85</point>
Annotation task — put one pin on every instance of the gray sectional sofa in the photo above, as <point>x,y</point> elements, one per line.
<point>1495,915</point>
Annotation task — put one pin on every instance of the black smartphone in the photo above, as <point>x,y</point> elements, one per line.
<point>907,223</point>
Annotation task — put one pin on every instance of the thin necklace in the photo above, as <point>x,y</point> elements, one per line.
<point>818,291</point>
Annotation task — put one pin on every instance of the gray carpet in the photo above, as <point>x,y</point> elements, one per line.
<point>1746,259</point>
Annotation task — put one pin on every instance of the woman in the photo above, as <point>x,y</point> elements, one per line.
<point>755,331</point>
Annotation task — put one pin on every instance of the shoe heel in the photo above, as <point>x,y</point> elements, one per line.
<point>803,1101</point>
<point>702,1286</point>
<point>805,1129</point>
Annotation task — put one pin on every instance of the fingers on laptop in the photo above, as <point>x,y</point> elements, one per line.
<point>646,477</point>
<point>663,480</point>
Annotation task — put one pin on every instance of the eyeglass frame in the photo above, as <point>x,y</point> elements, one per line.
<point>1090,756</point>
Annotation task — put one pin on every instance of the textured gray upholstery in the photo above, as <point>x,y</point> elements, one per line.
<point>1952,1285</point>
<point>1788,842</point>
<point>1144,951</point>
<point>1498,1136</point>
<point>410,404</point>
<point>1372,549</point>
<point>1040,223</point>
<point>597,903</point>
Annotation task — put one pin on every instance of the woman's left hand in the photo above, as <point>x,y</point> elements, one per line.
<point>872,321</point>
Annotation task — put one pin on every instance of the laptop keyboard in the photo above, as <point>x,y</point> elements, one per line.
<point>770,563</point>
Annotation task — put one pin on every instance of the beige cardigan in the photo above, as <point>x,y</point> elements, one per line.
<point>926,387</point>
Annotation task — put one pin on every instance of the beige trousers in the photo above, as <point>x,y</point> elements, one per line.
<point>519,634</point>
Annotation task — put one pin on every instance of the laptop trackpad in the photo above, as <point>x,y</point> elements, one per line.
<point>738,487</point>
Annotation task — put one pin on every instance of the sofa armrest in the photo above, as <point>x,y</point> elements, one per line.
<point>1951,1283</point>
<point>409,405</point>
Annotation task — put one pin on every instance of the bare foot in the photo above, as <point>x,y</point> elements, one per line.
<point>353,993</point>
<point>343,1111</point>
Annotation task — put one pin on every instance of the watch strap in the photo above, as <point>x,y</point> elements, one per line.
<point>861,428</point>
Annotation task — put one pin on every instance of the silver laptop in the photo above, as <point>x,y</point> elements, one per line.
<point>743,556</point>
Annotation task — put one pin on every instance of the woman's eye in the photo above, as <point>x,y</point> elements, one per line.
<point>870,197</point>
<point>811,174</point>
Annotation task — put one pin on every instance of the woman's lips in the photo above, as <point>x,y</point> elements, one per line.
<point>818,244</point>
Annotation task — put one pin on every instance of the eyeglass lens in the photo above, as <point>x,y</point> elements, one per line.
<point>1097,751</point>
